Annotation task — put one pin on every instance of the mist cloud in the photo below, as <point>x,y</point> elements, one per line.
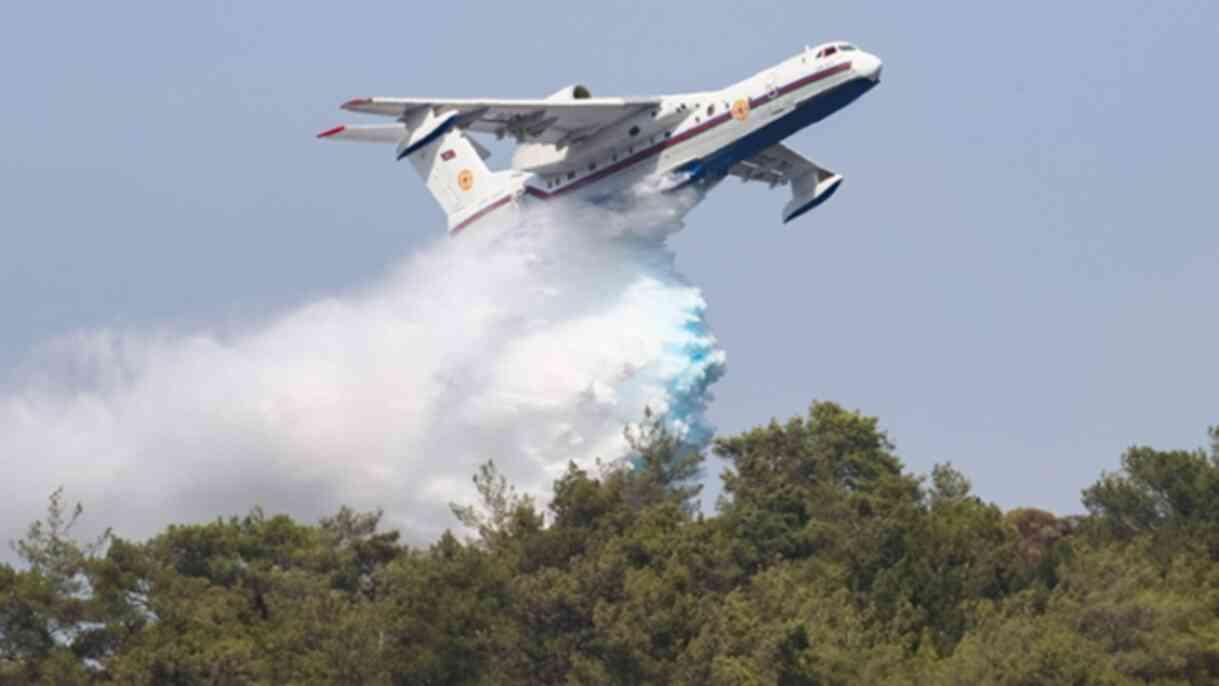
<point>532,346</point>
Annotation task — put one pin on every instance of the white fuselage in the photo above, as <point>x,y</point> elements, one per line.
<point>697,137</point>
<point>571,144</point>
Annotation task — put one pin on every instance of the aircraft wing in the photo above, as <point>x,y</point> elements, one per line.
<point>540,121</point>
<point>775,165</point>
<point>810,184</point>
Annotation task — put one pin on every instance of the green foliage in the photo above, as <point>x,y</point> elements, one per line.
<point>1121,615</point>
<point>500,510</point>
<point>817,485</point>
<point>1158,490</point>
<point>46,610</point>
<point>826,563</point>
<point>665,469</point>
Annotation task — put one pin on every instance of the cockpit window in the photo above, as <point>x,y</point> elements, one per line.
<point>835,49</point>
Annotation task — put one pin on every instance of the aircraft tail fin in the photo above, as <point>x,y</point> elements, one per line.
<point>453,170</point>
<point>449,162</point>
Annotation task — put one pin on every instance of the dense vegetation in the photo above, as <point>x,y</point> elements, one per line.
<point>826,563</point>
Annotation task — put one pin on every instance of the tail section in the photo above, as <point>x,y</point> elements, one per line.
<point>450,163</point>
<point>455,173</point>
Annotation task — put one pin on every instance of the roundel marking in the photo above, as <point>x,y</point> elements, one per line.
<point>740,109</point>
<point>465,179</point>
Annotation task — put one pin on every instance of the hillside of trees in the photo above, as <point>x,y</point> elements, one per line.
<point>825,563</point>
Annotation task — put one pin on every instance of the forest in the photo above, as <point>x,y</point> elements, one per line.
<point>824,562</point>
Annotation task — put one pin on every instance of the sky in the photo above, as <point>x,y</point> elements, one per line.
<point>1020,274</point>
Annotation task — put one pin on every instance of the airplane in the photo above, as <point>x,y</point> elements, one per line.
<point>597,149</point>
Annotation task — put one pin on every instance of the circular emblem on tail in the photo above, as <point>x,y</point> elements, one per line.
<point>740,109</point>
<point>465,179</point>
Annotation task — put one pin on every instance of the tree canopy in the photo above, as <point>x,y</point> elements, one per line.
<point>825,562</point>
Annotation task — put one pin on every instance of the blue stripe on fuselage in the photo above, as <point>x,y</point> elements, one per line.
<point>716,165</point>
<point>706,172</point>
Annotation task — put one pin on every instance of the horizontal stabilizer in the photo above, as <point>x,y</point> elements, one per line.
<point>381,133</point>
<point>366,133</point>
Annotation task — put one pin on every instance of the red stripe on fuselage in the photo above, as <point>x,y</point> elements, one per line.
<point>823,74</point>
<point>483,212</point>
<point>664,144</point>
<point>688,134</point>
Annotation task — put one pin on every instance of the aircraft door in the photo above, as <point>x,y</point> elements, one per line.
<point>773,81</point>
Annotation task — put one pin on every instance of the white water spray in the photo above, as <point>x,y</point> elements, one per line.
<point>532,346</point>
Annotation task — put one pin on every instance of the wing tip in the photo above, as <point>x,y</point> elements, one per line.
<point>330,132</point>
<point>354,103</point>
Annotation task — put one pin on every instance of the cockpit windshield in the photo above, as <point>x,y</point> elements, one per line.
<point>831,50</point>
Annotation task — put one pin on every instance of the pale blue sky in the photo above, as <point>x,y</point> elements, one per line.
<point>1020,274</point>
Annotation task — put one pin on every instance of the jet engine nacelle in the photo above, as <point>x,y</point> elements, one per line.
<point>573,92</point>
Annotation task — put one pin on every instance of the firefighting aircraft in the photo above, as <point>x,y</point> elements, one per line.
<point>594,148</point>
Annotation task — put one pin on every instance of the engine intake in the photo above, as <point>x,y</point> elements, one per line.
<point>573,92</point>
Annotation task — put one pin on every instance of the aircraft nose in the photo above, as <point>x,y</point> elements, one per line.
<point>871,68</point>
